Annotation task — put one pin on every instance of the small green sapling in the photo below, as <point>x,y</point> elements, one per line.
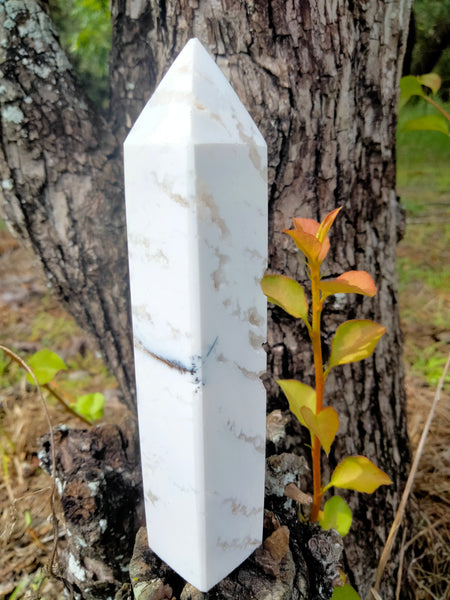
<point>353,341</point>
<point>45,364</point>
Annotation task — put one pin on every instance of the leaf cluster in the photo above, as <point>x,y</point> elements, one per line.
<point>416,86</point>
<point>45,365</point>
<point>353,341</point>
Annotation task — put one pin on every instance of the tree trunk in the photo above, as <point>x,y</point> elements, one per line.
<point>320,79</point>
<point>62,182</point>
<point>99,483</point>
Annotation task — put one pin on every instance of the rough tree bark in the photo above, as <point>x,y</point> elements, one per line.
<point>320,79</point>
<point>62,181</point>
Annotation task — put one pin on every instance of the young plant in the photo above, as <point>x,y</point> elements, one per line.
<point>45,364</point>
<point>353,341</point>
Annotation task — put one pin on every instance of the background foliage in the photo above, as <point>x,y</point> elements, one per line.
<point>431,36</point>
<point>84,27</point>
<point>85,32</point>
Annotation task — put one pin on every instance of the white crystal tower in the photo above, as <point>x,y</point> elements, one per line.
<point>196,202</point>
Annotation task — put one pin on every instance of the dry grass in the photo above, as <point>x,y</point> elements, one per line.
<point>26,535</point>
<point>30,314</point>
<point>428,550</point>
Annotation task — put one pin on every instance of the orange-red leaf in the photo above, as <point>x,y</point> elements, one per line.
<point>326,224</point>
<point>307,243</point>
<point>324,425</point>
<point>311,237</point>
<point>287,293</point>
<point>352,282</point>
<point>299,395</point>
<point>306,225</point>
<point>354,340</point>
<point>324,250</point>
<point>358,473</point>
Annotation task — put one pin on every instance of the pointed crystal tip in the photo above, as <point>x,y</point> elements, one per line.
<point>194,104</point>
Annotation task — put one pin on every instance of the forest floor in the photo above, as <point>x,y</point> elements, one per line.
<point>31,318</point>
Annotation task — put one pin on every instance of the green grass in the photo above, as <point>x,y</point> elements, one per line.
<point>428,243</point>
<point>430,363</point>
<point>10,372</point>
<point>51,328</point>
<point>52,331</point>
<point>423,183</point>
<point>423,157</point>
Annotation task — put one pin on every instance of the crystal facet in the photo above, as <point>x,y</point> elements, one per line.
<point>196,204</point>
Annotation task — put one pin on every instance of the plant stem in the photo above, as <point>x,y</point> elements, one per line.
<point>439,108</point>
<point>319,376</point>
<point>317,493</point>
<point>59,396</point>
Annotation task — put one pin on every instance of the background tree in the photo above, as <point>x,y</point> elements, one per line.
<point>430,29</point>
<point>320,79</point>
<point>84,28</point>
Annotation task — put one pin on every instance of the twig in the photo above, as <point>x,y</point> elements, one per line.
<point>375,595</point>
<point>438,106</point>
<point>426,530</point>
<point>400,565</point>
<point>34,493</point>
<point>401,509</point>
<point>423,587</point>
<point>58,395</point>
<point>24,366</point>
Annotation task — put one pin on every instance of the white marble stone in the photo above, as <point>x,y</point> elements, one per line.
<point>196,202</point>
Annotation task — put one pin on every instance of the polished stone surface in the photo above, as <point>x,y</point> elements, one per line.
<point>196,202</point>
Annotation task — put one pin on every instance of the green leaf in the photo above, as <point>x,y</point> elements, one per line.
<point>90,406</point>
<point>298,395</point>
<point>427,123</point>
<point>409,86</point>
<point>346,592</point>
<point>28,519</point>
<point>44,364</point>
<point>337,515</point>
<point>353,341</point>
<point>287,293</point>
<point>430,80</point>
<point>324,425</point>
<point>358,473</point>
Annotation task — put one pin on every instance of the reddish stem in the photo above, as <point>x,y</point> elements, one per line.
<point>320,381</point>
